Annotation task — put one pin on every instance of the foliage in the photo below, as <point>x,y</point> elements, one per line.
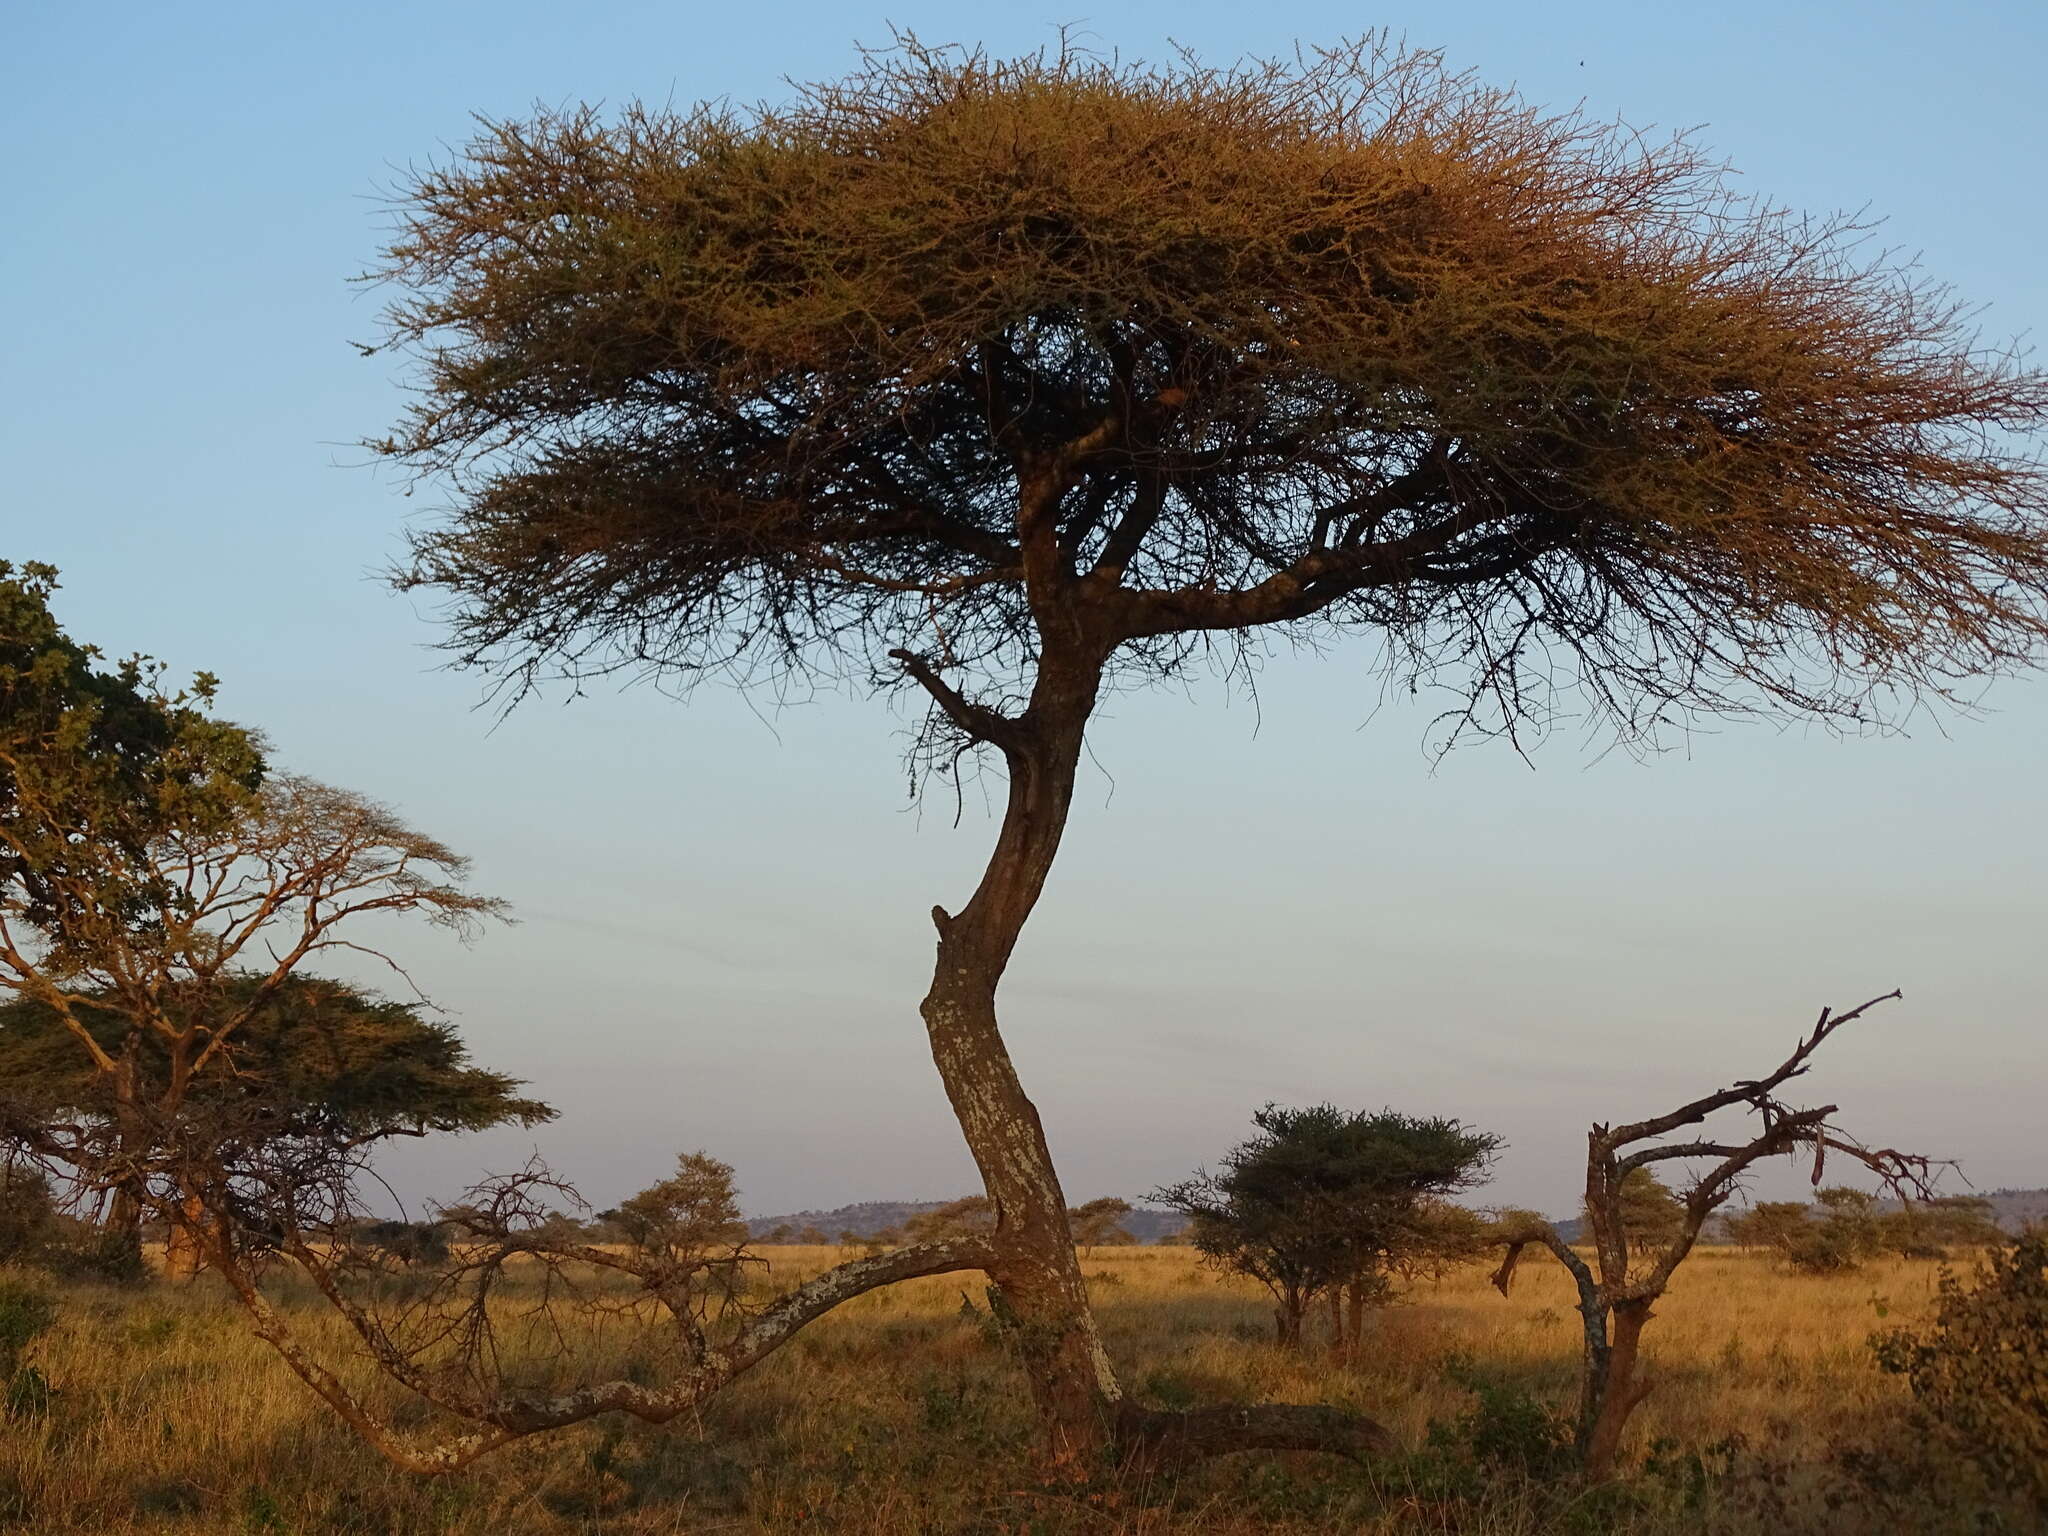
<point>406,1243</point>
<point>1930,1229</point>
<point>1323,1198</point>
<point>693,1212</point>
<point>1506,1428</point>
<point>1342,339</point>
<point>1099,1221</point>
<point>28,1212</point>
<point>968,1215</point>
<point>308,1057</point>
<point>1440,1236</point>
<point>1846,1228</point>
<point>1651,1215</point>
<point>161,894</point>
<point>97,764</point>
<point>1981,1370</point>
<point>26,1313</point>
<point>1774,1224</point>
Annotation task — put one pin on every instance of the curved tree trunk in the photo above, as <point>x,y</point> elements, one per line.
<point>1036,1266</point>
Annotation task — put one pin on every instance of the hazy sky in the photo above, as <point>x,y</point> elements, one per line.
<point>723,933</point>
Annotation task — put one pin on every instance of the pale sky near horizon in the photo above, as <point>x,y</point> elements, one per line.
<point>723,933</point>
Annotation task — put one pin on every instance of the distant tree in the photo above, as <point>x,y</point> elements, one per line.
<point>1323,1200</point>
<point>1847,1233</point>
<point>1624,1281</point>
<point>1932,1229</point>
<point>813,1237</point>
<point>405,1243</point>
<point>969,1216</point>
<point>1025,382</point>
<point>1774,1224</point>
<point>309,1062</point>
<point>1440,1236</point>
<point>1651,1215</point>
<point>1098,1222</point>
<point>693,1212</point>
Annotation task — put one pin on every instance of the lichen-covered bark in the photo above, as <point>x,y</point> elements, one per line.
<point>1035,1265</point>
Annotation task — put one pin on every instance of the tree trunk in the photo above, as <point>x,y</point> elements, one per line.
<point>1287,1319</point>
<point>1612,1390</point>
<point>184,1245</point>
<point>123,1225</point>
<point>1355,1331</point>
<point>1037,1267</point>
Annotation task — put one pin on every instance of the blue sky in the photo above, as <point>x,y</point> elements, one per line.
<point>723,936</point>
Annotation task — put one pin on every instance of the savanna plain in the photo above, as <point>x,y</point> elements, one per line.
<point>903,1412</point>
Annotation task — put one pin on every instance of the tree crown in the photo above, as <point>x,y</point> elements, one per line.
<point>966,358</point>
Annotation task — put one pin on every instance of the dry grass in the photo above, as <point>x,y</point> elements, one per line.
<point>901,1413</point>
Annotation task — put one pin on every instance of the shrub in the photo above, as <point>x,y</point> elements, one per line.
<point>26,1313</point>
<point>1981,1372</point>
<point>92,1254</point>
<point>28,1213</point>
<point>407,1242</point>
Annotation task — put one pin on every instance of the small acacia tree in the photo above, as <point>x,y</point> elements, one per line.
<point>1628,1272</point>
<point>1020,382</point>
<point>1323,1202</point>
<point>1099,1221</point>
<point>308,1061</point>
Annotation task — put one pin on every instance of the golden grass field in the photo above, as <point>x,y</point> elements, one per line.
<point>901,1414</point>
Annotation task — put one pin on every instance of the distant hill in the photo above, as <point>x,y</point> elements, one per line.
<point>2016,1208</point>
<point>872,1216</point>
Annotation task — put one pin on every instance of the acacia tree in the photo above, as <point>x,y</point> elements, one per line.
<point>1632,1267</point>
<point>1322,1203</point>
<point>1020,382</point>
<point>307,1060</point>
<point>160,891</point>
<point>1099,1221</point>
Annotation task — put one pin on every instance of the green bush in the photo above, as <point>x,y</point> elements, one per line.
<point>28,1213</point>
<point>1981,1372</point>
<point>26,1313</point>
<point>1506,1429</point>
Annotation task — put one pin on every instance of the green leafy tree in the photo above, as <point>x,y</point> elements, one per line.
<point>1845,1230</point>
<point>1323,1200</point>
<point>1440,1237</point>
<point>1018,383</point>
<point>693,1212</point>
<point>160,891</point>
<point>310,1062</point>
<point>28,1212</point>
